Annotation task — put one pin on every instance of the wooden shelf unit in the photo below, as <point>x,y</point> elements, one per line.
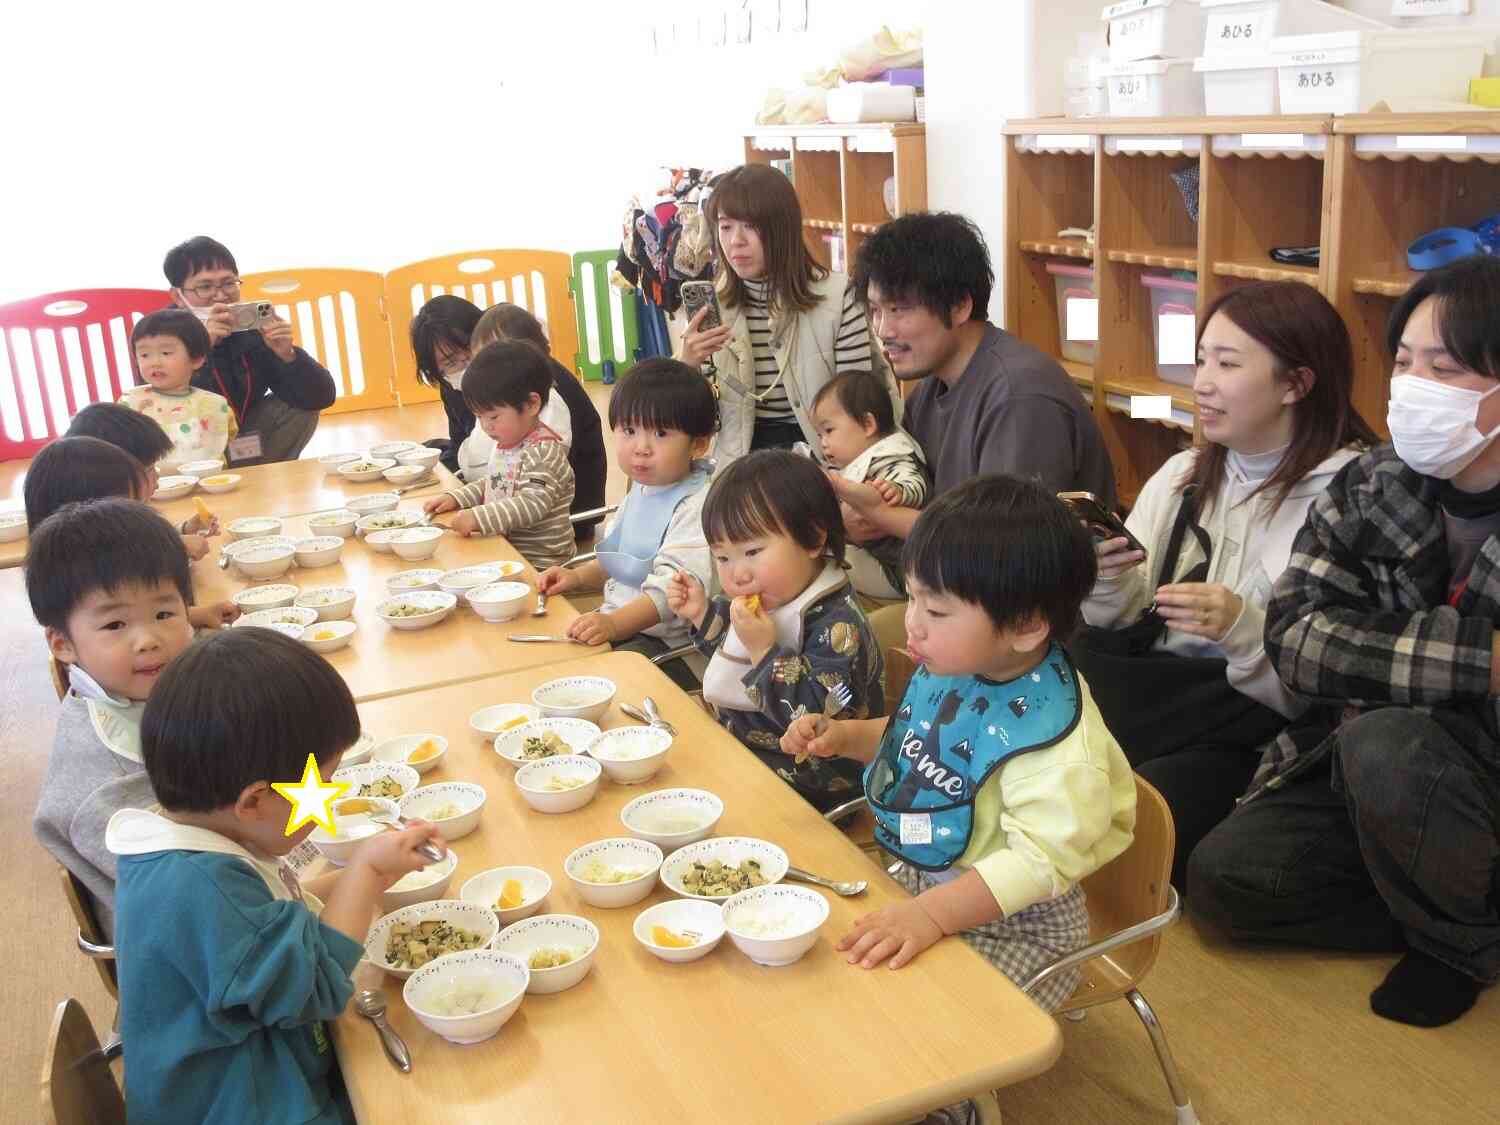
<point>1361,188</point>
<point>839,172</point>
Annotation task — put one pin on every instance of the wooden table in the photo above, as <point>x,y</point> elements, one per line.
<point>820,1040</point>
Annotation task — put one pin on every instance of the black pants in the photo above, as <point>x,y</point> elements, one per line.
<point>1397,844</point>
<point>776,435</point>
<point>1200,787</point>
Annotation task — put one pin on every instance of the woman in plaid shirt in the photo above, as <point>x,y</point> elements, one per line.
<point>1371,824</point>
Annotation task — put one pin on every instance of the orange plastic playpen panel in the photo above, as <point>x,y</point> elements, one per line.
<point>337,317</point>
<point>59,353</point>
<point>537,280</point>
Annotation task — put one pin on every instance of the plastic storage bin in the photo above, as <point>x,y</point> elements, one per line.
<point>1231,26</point>
<point>1154,88</point>
<point>1153,29</point>
<point>1171,296</point>
<point>1072,282</point>
<point>872,101</point>
<point>1242,83</point>
<point>1349,71</point>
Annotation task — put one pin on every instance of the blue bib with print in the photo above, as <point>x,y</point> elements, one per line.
<point>946,739</point>
<point>629,551</point>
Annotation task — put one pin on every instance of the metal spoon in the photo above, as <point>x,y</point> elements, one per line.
<point>428,850</point>
<point>370,1003</point>
<point>541,606</point>
<point>655,716</point>
<point>542,639</point>
<point>843,889</point>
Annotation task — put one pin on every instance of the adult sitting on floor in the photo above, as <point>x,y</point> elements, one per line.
<point>1176,654</point>
<point>1371,825</point>
<point>274,388</point>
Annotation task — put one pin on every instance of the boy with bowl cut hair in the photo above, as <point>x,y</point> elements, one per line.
<point>169,347</point>
<point>232,967</point>
<point>108,582</point>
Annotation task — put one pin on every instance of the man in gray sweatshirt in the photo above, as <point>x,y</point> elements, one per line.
<point>109,583</point>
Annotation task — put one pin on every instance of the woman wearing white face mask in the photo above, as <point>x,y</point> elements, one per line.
<point>1175,656</point>
<point>1371,824</point>
<point>440,342</point>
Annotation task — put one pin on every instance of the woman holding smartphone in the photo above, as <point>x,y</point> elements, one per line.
<point>789,324</point>
<point>1175,654</point>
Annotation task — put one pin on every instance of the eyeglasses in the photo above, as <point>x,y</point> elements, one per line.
<point>454,363</point>
<point>207,290</point>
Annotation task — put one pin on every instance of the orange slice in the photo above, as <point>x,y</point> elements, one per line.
<point>356,805</point>
<point>425,750</point>
<point>202,508</point>
<point>752,603</point>
<point>669,940</point>
<point>519,720</point>
<point>511,895</point>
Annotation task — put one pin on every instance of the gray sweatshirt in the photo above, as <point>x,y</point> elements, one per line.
<point>86,784</point>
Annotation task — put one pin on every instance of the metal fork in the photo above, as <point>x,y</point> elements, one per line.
<point>839,696</point>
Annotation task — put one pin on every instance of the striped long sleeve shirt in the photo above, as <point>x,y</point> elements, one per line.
<point>525,496</point>
<point>851,349</point>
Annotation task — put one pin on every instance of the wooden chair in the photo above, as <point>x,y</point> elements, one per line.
<point>1130,902</point>
<point>90,934</point>
<point>77,1085</point>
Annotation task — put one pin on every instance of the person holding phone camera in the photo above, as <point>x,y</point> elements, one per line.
<point>275,389</point>
<point>789,325</point>
<point>1176,645</point>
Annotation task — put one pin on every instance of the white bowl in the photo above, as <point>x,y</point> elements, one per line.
<point>319,550</point>
<point>353,830</point>
<point>173,487</point>
<point>681,915</point>
<point>380,541</point>
<point>575,697</point>
<point>404,474</point>
<point>490,722</point>
<point>332,461</point>
<point>290,615</point>
<point>359,752</point>
<point>390,450</point>
<point>631,755</point>
<point>466,915</point>
<point>434,604</point>
<point>499,601</point>
<point>486,888</point>
<point>369,772</point>
<point>220,482</point>
<point>492,985</point>
<point>399,749</point>
<point>409,581</point>
<point>459,582</point>
<point>532,780</point>
<point>365,469</point>
<point>12,526</point>
<point>338,522</point>
<point>330,603</point>
<point>420,886</point>
<point>421,455</point>
<point>416,543</point>
<point>621,853</point>
<point>329,636</point>
<point>385,521</point>
<point>266,597</point>
<point>261,562</point>
<point>200,469</point>
<point>577,733</point>
<point>552,931</point>
<point>775,925</point>
<point>420,804</point>
<point>672,818</point>
<point>253,527</point>
<point>374,503</point>
<point>289,628</point>
<point>730,850</point>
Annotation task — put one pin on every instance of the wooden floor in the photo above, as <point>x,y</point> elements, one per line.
<point>1261,1035</point>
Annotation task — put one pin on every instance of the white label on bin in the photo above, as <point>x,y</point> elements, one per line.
<point>1176,341</point>
<point>1151,407</point>
<point>1151,144</point>
<point>1130,89</point>
<point>1429,7</point>
<point>1230,33</point>
<point>1273,140</point>
<point>1083,319</point>
<point>1312,79</point>
<point>1434,144</point>
<point>1062,140</point>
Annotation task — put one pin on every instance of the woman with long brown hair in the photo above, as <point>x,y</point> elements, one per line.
<point>790,325</point>
<point>1175,653</point>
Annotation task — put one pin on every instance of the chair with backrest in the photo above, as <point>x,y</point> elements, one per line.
<point>1130,902</point>
<point>78,1087</point>
<point>90,934</point>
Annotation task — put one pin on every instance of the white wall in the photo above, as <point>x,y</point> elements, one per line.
<point>361,135</point>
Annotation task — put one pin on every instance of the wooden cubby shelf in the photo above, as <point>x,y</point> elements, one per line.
<point>1361,188</point>
<point>840,173</point>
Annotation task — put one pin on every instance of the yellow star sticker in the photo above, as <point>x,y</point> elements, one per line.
<point>312,798</point>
